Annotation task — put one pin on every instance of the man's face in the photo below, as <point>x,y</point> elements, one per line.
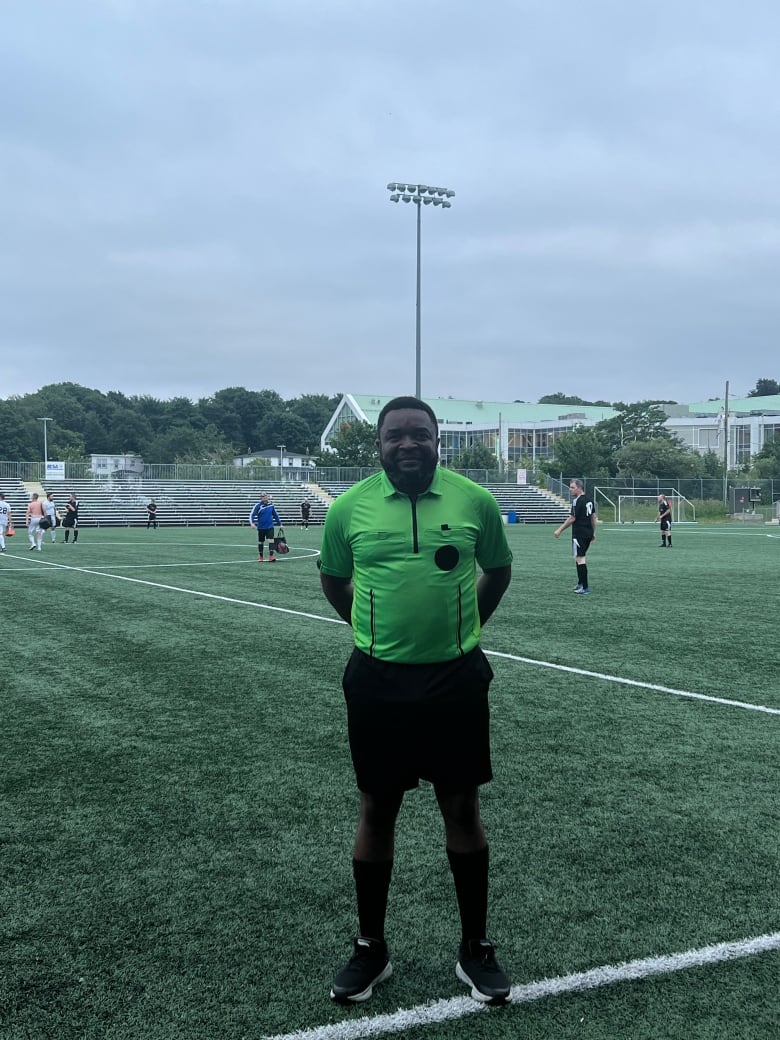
<point>575,489</point>
<point>408,446</point>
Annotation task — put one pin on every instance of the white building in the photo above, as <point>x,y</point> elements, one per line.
<point>117,466</point>
<point>515,431</point>
<point>275,457</point>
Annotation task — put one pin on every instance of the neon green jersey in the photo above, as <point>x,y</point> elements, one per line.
<point>413,564</point>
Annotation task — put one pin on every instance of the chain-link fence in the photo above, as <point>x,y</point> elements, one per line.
<point>701,489</point>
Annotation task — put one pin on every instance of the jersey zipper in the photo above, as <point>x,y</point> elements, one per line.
<point>415,542</point>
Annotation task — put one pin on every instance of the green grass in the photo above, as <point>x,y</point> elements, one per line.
<point>178,804</point>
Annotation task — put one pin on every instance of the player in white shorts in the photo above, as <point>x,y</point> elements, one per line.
<point>5,521</point>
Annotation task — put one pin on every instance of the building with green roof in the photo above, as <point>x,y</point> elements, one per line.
<point>516,430</point>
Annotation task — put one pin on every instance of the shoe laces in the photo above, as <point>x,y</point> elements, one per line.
<point>484,952</point>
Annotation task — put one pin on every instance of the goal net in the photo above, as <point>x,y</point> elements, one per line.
<point>638,508</point>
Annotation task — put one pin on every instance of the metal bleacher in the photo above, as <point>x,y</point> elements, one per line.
<point>122,503</point>
<point>117,503</point>
<point>531,505</point>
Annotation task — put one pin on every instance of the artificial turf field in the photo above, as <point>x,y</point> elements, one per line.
<point>178,805</point>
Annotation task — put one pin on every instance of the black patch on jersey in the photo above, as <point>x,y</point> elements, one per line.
<point>447,557</point>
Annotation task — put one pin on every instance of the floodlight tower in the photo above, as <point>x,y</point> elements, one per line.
<point>421,195</point>
<point>45,419</point>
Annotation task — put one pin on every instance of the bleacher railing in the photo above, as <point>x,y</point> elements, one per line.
<point>694,488</point>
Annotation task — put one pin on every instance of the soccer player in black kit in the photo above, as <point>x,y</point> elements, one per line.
<point>665,517</point>
<point>582,521</point>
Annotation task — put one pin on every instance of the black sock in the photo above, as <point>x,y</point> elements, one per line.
<point>470,874</point>
<point>582,574</point>
<point>372,884</point>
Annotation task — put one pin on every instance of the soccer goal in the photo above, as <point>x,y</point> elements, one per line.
<point>642,507</point>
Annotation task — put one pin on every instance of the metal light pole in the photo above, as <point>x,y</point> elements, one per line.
<point>45,419</point>
<point>420,195</point>
<point>281,461</point>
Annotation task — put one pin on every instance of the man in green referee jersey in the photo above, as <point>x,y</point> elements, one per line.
<point>398,563</point>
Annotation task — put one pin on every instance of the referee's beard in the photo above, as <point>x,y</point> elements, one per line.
<point>410,481</point>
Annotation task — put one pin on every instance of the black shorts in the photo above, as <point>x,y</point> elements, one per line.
<point>580,544</point>
<point>666,524</point>
<point>265,532</point>
<point>412,722</point>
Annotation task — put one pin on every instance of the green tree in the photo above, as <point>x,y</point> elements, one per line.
<point>658,458</point>
<point>17,432</point>
<point>183,444</point>
<point>581,452</point>
<point>476,456</point>
<point>284,427</point>
<point>570,399</point>
<point>643,421</point>
<point>353,445</point>
<point>713,464</point>
<point>238,412</point>
<point>316,411</point>
<point>766,463</point>
<point>765,388</point>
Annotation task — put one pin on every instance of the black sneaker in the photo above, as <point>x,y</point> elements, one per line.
<point>477,967</point>
<point>366,968</point>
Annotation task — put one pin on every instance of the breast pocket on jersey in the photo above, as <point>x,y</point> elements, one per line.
<point>380,547</point>
<point>450,547</point>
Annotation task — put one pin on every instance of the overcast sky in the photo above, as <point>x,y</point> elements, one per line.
<point>193,196</point>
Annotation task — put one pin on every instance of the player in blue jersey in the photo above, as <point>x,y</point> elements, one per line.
<point>263,517</point>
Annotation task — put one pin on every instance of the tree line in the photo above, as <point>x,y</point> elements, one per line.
<point>236,421</point>
<point>233,421</point>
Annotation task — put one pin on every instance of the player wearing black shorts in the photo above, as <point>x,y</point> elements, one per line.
<point>70,521</point>
<point>582,521</point>
<point>665,519</point>
<point>398,564</point>
<point>263,517</point>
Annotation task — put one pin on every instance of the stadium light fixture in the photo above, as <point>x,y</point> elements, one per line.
<point>45,419</point>
<point>419,194</point>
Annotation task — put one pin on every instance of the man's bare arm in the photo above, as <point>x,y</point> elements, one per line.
<point>339,592</point>
<point>491,587</point>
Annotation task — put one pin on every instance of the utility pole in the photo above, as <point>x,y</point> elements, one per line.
<point>726,446</point>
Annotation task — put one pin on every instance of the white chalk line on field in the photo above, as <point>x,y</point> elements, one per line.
<point>604,677</point>
<point>189,592</point>
<point>634,682</point>
<point>607,975</point>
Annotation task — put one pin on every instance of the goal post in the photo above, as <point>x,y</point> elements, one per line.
<point>641,507</point>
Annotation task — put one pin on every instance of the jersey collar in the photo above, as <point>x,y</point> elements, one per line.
<point>389,489</point>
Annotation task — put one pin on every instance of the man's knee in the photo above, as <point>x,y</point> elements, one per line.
<point>379,812</point>
<point>460,810</point>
